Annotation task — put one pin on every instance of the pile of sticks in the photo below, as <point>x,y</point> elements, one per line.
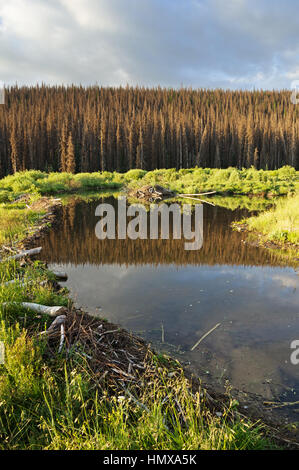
<point>112,353</point>
<point>152,193</point>
<point>158,193</point>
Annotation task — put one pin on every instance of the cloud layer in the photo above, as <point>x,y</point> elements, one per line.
<point>198,43</point>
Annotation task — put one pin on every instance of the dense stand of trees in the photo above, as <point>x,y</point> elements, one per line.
<point>89,129</point>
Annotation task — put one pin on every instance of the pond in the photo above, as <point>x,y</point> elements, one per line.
<point>172,297</point>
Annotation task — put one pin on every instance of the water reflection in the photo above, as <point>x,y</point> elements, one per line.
<point>146,284</point>
<point>76,243</point>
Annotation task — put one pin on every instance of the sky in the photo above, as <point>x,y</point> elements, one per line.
<point>246,44</point>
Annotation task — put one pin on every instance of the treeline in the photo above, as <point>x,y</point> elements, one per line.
<point>89,129</point>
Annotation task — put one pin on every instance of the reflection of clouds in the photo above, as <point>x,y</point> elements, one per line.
<point>255,311</point>
<point>118,272</point>
<point>283,277</point>
<point>287,281</point>
<point>258,315</point>
<point>252,292</point>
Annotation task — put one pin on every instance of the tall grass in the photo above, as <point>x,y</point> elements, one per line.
<point>280,223</point>
<point>14,222</point>
<point>230,180</point>
<point>33,182</point>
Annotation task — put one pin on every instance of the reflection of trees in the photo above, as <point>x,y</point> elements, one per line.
<point>75,242</point>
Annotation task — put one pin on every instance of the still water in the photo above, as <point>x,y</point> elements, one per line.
<point>172,297</point>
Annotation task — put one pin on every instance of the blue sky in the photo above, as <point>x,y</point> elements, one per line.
<point>199,43</point>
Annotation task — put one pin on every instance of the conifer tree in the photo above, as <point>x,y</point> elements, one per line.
<point>70,156</point>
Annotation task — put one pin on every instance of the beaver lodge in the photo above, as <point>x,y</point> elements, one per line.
<point>158,193</point>
<point>151,193</point>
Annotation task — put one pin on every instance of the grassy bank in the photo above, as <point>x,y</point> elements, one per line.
<point>14,222</point>
<point>276,228</point>
<point>279,224</point>
<point>100,391</point>
<point>230,181</point>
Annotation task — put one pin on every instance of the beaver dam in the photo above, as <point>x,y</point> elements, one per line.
<point>242,295</point>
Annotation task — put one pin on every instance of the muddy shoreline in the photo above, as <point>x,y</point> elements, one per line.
<point>250,405</point>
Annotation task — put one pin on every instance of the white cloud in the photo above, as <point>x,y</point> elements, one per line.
<point>210,43</point>
<point>93,15</point>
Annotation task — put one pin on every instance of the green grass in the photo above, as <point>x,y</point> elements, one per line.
<point>37,182</point>
<point>230,180</point>
<point>279,224</point>
<point>195,180</point>
<point>14,222</point>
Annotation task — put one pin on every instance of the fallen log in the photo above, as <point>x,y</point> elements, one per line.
<point>23,254</point>
<point>23,282</point>
<point>197,199</point>
<point>158,193</point>
<point>198,194</point>
<point>151,193</point>
<point>43,309</point>
<point>59,276</point>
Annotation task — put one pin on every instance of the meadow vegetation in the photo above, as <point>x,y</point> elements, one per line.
<point>230,180</point>
<point>280,223</point>
<point>16,219</point>
<point>195,180</point>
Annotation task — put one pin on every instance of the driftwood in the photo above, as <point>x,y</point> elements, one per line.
<point>43,309</point>
<point>62,337</point>
<point>198,194</point>
<point>55,324</point>
<point>23,254</point>
<point>196,199</point>
<point>58,322</point>
<point>14,281</point>
<point>23,282</point>
<point>8,248</point>
<point>204,336</point>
